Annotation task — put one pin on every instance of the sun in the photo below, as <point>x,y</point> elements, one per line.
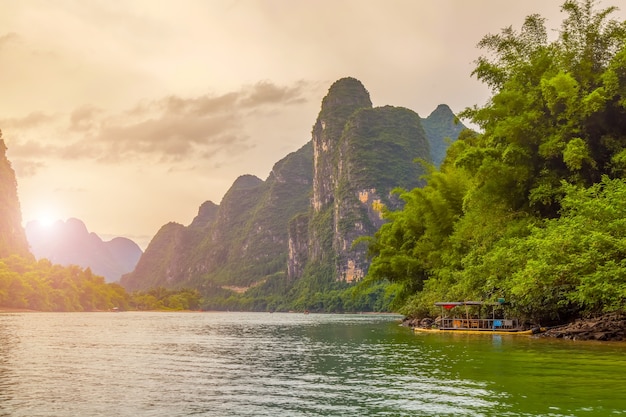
<point>46,219</point>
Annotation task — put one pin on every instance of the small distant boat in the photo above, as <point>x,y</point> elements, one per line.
<point>472,324</point>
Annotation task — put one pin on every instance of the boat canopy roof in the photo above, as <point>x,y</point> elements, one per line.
<point>451,304</point>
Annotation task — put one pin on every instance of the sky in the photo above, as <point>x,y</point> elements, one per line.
<point>130,114</point>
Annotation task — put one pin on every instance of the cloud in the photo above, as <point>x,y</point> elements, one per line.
<point>162,130</point>
<point>8,38</point>
<point>169,136</point>
<point>261,94</point>
<point>84,118</point>
<point>265,92</point>
<point>41,150</point>
<point>29,121</point>
<point>26,168</point>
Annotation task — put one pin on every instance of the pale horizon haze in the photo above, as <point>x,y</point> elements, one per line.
<point>130,114</point>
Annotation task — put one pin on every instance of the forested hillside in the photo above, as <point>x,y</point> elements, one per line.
<point>532,209</point>
<point>44,286</point>
<point>290,242</point>
<point>238,244</point>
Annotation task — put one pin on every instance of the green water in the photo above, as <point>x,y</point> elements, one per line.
<point>534,376</point>
<point>260,364</point>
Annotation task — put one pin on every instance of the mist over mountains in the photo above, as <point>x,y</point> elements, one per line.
<point>70,243</point>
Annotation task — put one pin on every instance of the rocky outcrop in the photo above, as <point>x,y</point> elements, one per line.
<point>610,327</point>
<point>206,215</point>
<point>344,97</point>
<point>377,154</point>
<point>298,246</point>
<point>360,155</point>
<point>12,236</point>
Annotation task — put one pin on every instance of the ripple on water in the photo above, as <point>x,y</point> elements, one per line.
<point>219,364</point>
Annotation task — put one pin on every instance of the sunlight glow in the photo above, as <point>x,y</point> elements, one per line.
<point>46,219</point>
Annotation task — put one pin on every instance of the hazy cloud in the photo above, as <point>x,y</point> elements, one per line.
<point>8,38</point>
<point>169,135</point>
<point>265,93</point>
<point>74,190</point>
<point>26,168</point>
<point>174,127</point>
<point>29,121</point>
<point>84,118</point>
<point>165,129</point>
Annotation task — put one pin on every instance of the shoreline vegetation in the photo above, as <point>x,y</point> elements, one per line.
<point>530,207</point>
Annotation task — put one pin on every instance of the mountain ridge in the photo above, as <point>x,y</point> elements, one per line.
<point>70,243</point>
<point>300,223</point>
<point>241,238</point>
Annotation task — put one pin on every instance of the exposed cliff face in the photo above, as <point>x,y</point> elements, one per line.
<point>343,99</point>
<point>376,154</point>
<point>12,236</point>
<point>298,254</point>
<point>360,154</point>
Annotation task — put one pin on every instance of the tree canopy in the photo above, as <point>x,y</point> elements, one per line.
<point>528,208</point>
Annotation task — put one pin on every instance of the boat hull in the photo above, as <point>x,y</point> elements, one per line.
<point>484,332</point>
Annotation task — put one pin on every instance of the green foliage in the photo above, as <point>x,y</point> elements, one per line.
<point>43,286</point>
<point>532,208</point>
<point>242,244</point>
<point>344,97</point>
<point>576,262</point>
<point>319,291</point>
<point>163,299</point>
<point>404,250</point>
<point>26,284</point>
<point>376,136</point>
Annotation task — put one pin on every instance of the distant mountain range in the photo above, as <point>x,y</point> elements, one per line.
<point>70,243</point>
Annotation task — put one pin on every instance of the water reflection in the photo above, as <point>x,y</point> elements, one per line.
<point>8,341</point>
<point>212,364</point>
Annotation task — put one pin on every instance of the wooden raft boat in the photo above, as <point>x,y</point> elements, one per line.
<point>472,324</point>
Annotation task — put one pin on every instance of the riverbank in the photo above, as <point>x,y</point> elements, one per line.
<point>16,310</point>
<point>610,327</point>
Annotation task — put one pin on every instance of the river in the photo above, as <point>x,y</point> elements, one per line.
<point>261,364</point>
